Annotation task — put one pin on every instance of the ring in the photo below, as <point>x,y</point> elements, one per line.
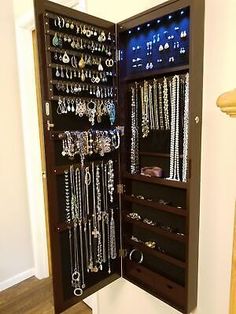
<point>141,255</point>
<point>76,275</point>
<point>78,292</point>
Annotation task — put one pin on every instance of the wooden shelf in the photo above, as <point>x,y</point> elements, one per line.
<point>155,205</point>
<point>155,229</point>
<point>156,73</point>
<point>150,154</point>
<point>145,249</point>
<point>154,180</point>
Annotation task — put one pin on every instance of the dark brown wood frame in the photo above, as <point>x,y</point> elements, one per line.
<point>191,214</point>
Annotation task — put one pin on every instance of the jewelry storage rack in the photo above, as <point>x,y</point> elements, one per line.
<point>122,128</point>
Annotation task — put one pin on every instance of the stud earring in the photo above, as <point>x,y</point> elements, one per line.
<point>161,48</point>
<point>167,46</point>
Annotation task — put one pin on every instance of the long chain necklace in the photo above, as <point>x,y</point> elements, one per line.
<point>80,219</point>
<point>176,169</point>
<point>145,115</point>
<point>151,111</point>
<point>174,142</point>
<point>172,130</point>
<point>166,104</point>
<point>186,130</point>
<point>113,236</point>
<point>160,106</point>
<point>155,100</point>
<point>103,215</point>
<point>110,183</point>
<point>99,217</point>
<point>75,276</point>
<point>133,133</point>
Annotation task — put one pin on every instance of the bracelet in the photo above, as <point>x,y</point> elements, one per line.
<point>131,254</point>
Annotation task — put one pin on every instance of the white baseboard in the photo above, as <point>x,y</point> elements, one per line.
<point>16,279</point>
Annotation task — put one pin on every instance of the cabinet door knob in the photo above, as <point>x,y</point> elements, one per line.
<point>197,119</point>
<point>49,125</point>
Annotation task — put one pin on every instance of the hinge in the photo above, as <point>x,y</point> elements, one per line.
<point>122,252</point>
<point>121,128</point>
<point>120,188</point>
<point>47,109</point>
<point>118,55</point>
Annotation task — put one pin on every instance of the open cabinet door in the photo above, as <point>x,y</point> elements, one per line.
<point>78,78</point>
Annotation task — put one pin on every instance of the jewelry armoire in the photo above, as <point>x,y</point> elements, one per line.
<point>121,110</point>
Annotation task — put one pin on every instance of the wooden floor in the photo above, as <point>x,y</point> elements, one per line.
<point>33,296</point>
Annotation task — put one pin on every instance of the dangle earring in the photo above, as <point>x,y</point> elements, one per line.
<point>65,58</point>
<point>111,110</point>
<point>57,72</point>
<point>82,62</point>
<point>100,67</point>
<point>91,112</point>
<point>55,40</point>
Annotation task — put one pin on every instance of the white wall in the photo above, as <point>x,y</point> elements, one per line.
<point>218,167</point>
<point>16,259</point>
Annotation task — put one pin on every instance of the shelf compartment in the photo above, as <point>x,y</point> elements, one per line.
<point>154,180</point>
<point>156,73</point>
<point>142,247</point>
<point>157,285</point>
<point>155,205</point>
<point>154,229</point>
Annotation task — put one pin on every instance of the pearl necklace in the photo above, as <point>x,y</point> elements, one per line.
<point>186,130</point>
<point>174,140</point>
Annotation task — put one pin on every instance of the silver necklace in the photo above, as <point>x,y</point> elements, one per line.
<point>110,183</point>
<point>166,104</point>
<point>113,236</point>
<point>134,154</point>
<point>145,115</point>
<point>155,104</point>
<point>160,107</point>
